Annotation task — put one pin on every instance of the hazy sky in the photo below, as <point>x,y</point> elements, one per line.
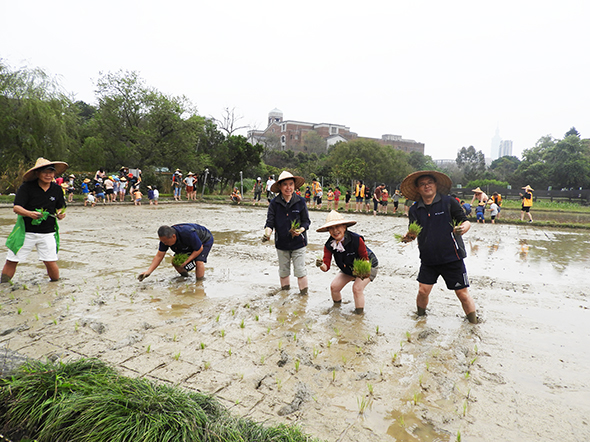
<point>445,73</point>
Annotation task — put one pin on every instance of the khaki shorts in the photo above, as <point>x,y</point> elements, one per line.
<point>298,258</point>
<point>43,242</point>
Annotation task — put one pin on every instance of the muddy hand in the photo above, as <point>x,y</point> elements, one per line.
<point>319,262</point>
<point>142,276</point>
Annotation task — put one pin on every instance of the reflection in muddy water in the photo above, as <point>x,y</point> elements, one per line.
<point>407,427</point>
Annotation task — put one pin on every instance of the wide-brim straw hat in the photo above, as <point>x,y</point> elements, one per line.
<point>477,190</point>
<point>190,174</point>
<point>335,219</point>
<point>86,180</point>
<point>31,174</point>
<point>528,188</point>
<point>410,190</point>
<point>276,187</point>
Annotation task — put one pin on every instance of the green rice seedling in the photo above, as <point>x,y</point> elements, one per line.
<point>36,317</point>
<point>464,407</point>
<point>369,337</point>
<point>402,421</point>
<point>207,365</point>
<point>268,330</point>
<point>54,321</point>
<point>279,384</point>
<point>179,259</point>
<point>282,321</point>
<point>408,336</point>
<point>416,398</point>
<point>229,351</point>
<point>295,337</point>
<point>358,350</point>
<point>270,308</point>
<point>76,326</point>
<point>241,376</point>
<point>394,358</point>
<point>361,268</point>
<point>467,374</point>
<point>337,331</point>
<point>249,340</point>
<point>420,379</point>
<point>280,344</point>
<point>217,318</point>
<point>149,348</point>
<point>343,360</point>
<point>25,287</point>
<point>247,305</point>
<point>458,436</point>
<point>19,311</point>
<point>414,230</point>
<point>256,318</point>
<point>174,338</point>
<point>377,330</point>
<point>295,225</point>
<point>242,325</point>
<point>475,349</point>
<point>195,327</point>
<point>177,356</point>
<point>370,388</point>
<point>363,403</point>
<point>329,344</point>
<point>67,307</point>
<point>233,312</point>
<point>316,352</point>
<point>49,304</point>
<point>222,332</point>
<point>39,287</point>
<point>427,366</point>
<point>308,326</point>
<point>12,297</point>
<point>297,365</point>
<point>202,346</point>
<point>473,361</point>
<point>262,360</point>
<point>333,375</point>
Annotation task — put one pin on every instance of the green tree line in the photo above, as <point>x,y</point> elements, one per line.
<point>134,125</point>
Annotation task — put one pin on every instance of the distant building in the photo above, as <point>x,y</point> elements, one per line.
<point>445,163</point>
<point>500,147</point>
<point>505,148</point>
<point>290,135</point>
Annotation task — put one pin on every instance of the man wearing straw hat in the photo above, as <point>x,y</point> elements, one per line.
<point>39,203</point>
<point>288,216</point>
<point>440,242</point>
<point>527,202</point>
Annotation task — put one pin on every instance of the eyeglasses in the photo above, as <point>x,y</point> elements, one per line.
<point>426,183</point>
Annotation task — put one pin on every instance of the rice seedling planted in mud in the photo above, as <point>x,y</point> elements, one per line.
<point>202,346</point>
<point>297,365</point>
<point>19,311</point>
<point>363,404</point>
<point>177,356</point>
<point>242,324</point>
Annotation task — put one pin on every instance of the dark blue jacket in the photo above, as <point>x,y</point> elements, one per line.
<point>437,242</point>
<point>189,237</point>
<point>279,217</point>
<point>345,260</point>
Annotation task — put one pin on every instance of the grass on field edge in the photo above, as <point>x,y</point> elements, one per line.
<point>87,400</point>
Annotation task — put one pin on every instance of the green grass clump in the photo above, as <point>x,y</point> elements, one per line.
<point>87,401</point>
<point>361,268</point>
<point>179,259</point>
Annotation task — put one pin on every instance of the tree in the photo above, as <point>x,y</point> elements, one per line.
<point>504,167</point>
<point>314,143</point>
<point>419,161</point>
<point>471,162</point>
<point>572,131</point>
<point>236,155</point>
<point>229,121</point>
<point>36,120</point>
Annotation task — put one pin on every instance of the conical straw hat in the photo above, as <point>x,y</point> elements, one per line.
<point>335,219</point>
<point>59,166</point>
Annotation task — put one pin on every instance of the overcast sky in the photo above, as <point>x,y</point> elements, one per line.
<point>445,73</point>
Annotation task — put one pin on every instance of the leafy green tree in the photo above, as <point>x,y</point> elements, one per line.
<point>572,131</point>
<point>471,162</point>
<point>314,143</point>
<point>36,120</point>
<point>504,167</point>
<point>235,155</point>
<point>419,161</point>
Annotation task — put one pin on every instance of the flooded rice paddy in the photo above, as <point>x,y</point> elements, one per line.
<point>522,374</point>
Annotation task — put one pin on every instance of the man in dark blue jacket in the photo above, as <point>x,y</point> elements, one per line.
<point>288,217</point>
<point>193,240</point>
<point>440,242</point>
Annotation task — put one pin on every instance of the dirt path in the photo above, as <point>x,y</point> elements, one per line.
<point>279,357</point>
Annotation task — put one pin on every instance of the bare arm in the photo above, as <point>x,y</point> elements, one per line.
<point>20,210</point>
<point>155,263</point>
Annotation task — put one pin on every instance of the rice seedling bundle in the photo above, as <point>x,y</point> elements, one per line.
<point>295,225</point>
<point>361,268</point>
<point>179,259</point>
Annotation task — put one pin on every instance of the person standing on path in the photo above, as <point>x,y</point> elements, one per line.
<point>289,218</point>
<point>527,202</point>
<point>440,242</point>
<point>39,203</point>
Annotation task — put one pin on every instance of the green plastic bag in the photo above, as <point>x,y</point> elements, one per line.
<point>16,238</point>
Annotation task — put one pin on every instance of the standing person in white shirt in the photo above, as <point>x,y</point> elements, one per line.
<point>269,194</point>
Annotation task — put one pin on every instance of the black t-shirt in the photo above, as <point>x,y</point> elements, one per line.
<point>31,197</point>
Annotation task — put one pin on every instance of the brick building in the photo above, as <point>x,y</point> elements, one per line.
<point>291,134</point>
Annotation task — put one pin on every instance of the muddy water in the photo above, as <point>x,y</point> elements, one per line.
<point>276,356</point>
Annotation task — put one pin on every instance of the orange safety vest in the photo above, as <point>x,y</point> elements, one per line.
<point>527,202</point>
<point>360,190</point>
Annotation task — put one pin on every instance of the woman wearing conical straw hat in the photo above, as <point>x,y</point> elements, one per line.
<point>346,247</point>
<point>288,216</point>
<point>39,202</point>
<point>527,202</point>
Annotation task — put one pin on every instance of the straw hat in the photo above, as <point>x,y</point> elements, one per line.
<point>276,187</point>
<point>410,190</point>
<point>528,188</point>
<point>477,190</point>
<point>335,219</point>
<point>86,180</point>
<point>41,163</point>
<point>123,179</point>
<point>190,174</point>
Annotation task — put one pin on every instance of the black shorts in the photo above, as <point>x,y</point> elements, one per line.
<point>109,191</point>
<point>454,274</point>
<point>525,209</point>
